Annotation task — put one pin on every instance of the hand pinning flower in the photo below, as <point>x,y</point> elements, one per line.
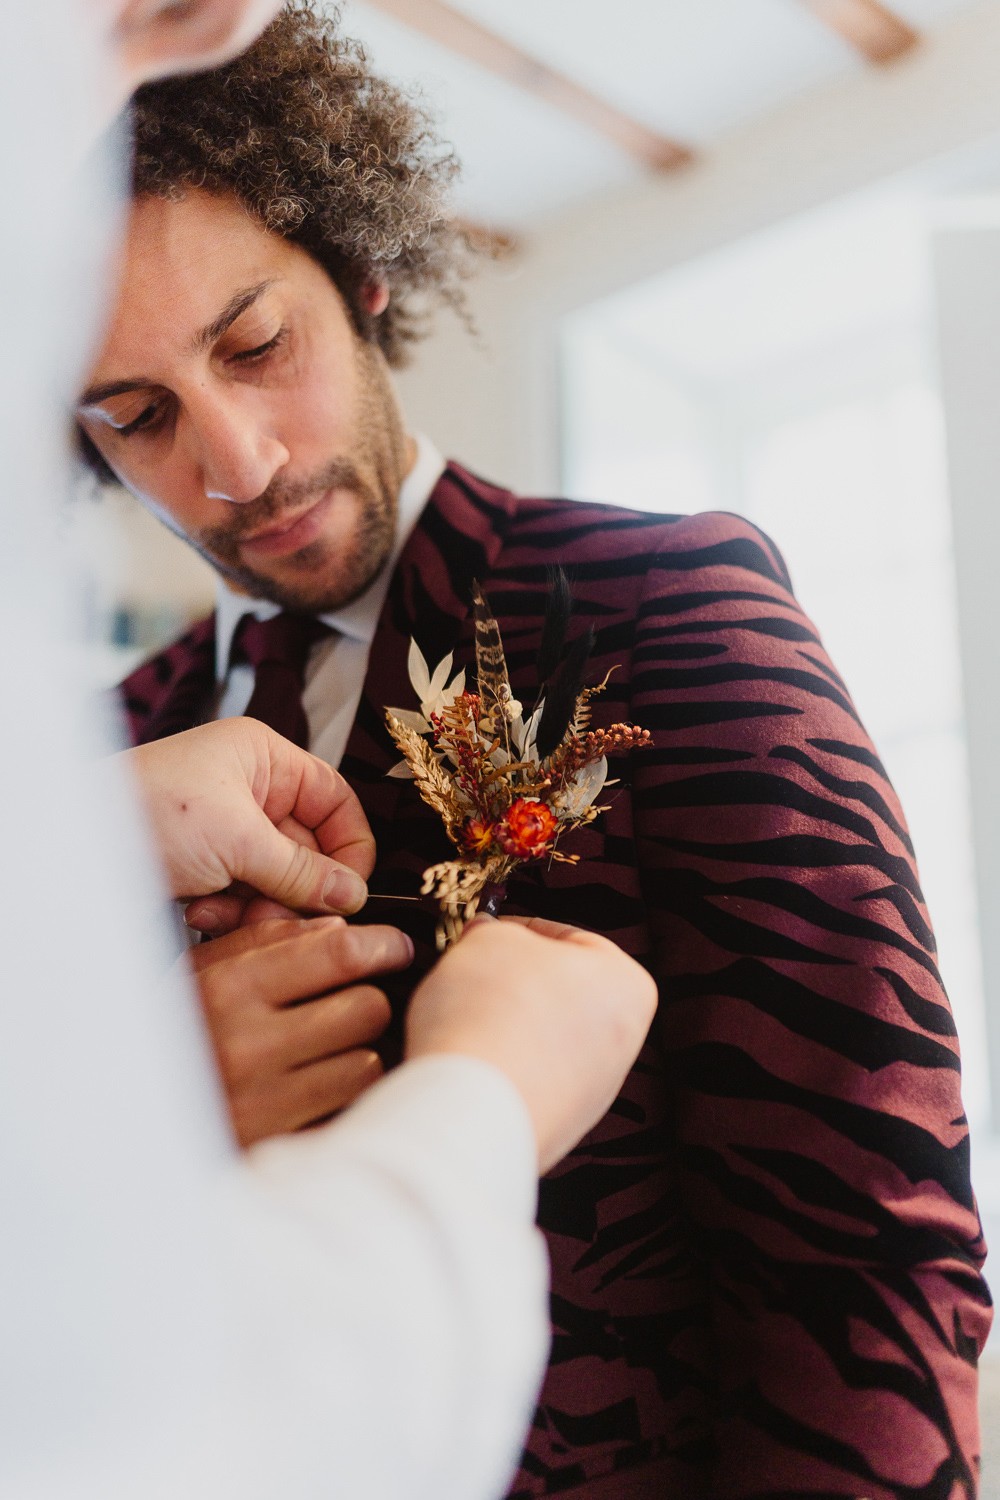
<point>507,788</point>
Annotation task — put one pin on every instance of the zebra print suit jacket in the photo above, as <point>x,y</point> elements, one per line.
<point>766,1259</point>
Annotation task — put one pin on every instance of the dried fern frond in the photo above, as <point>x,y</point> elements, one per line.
<point>580,721</point>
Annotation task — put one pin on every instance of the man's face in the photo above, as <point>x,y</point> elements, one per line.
<point>234,397</point>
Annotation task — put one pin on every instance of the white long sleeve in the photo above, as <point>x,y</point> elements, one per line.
<point>437,1297</point>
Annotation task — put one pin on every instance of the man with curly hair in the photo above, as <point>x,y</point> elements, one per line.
<point>766,1259</point>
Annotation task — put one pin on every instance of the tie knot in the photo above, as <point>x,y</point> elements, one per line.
<point>277,649</point>
<point>284,640</point>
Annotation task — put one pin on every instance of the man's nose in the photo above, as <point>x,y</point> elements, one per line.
<point>239,454</point>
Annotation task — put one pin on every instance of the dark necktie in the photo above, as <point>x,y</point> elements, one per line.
<point>278,649</point>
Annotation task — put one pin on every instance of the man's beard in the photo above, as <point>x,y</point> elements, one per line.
<point>312,580</point>
<point>311,587</point>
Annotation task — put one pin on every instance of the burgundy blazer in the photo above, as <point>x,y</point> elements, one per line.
<point>766,1259</point>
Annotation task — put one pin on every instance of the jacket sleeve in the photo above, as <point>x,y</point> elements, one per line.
<point>823,1150</point>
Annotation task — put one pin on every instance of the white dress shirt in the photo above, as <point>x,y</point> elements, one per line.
<point>335,670</point>
<point>359,1312</point>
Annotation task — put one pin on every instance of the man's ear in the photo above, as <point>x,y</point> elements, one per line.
<point>155,38</point>
<point>375,297</point>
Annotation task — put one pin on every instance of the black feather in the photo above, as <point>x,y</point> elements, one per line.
<point>558,608</point>
<point>560,700</point>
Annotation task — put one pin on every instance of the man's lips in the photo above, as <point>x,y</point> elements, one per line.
<point>288,536</point>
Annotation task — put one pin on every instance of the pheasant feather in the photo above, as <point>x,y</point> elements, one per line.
<point>491,668</point>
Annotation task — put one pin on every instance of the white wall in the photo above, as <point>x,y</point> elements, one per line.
<point>967,273</point>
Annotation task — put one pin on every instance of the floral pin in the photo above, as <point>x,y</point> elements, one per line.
<point>507,787</point>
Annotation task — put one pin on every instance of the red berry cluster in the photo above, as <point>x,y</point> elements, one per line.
<point>581,750</point>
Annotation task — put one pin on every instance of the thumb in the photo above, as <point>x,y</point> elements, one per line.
<point>297,876</point>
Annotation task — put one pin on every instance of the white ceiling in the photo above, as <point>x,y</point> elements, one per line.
<point>691,69</point>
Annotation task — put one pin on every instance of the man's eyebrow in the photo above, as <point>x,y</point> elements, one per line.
<point>95,394</point>
<point>202,340</point>
<point>233,309</point>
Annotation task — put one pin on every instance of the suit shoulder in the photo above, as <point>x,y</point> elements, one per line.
<point>677,543</point>
<point>145,689</point>
<point>161,668</point>
<point>551,519</point>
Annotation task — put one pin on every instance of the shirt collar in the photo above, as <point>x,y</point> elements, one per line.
<point>359,618</point>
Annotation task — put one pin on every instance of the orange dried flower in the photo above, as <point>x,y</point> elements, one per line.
<point>477,835</point>
<point>527,829</point>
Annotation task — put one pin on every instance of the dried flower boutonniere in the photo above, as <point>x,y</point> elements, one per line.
<point>507,786</point>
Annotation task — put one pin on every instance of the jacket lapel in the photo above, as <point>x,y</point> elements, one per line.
<point>457,539</point>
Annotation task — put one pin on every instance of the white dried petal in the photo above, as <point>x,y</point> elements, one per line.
<point>437,701</point>
<point>523,734</point>
<point>420,677</point>
<point>411,719</point>
<point>584,788</point>
<point>440,676</point>
<point>441,694</point>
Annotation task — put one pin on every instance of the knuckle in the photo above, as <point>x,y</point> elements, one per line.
<point>294,873</point>
<point>348,945</point>
<point>275,929</point>
<point>299,867</point>
<point>360,949</point>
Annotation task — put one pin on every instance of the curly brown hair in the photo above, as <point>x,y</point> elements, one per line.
<point>324,153</point>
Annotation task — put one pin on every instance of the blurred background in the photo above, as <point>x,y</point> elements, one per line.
<point>742,254</point>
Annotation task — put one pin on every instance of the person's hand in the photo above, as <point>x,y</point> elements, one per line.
<point>292,1017</point>
<point>562,1012</point>
<point>235,808</point>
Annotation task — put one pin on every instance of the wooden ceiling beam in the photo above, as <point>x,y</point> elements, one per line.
<point>868,26</point>
<point>461,34</point>
<point>489,240</point>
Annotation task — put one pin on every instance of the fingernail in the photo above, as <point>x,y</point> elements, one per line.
<point>202,921</point>
<point>344,891</point>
